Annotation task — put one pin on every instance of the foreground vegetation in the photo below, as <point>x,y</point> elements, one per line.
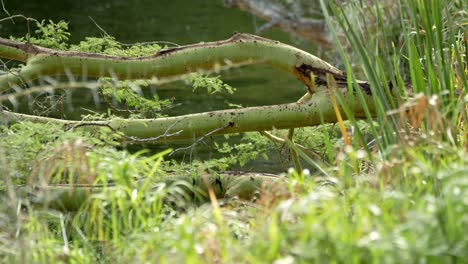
<point>392,188</point>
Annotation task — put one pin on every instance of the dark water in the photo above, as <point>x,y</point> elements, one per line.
<point>179,21</point>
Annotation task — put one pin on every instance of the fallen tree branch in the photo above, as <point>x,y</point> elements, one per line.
<point>239,49</point>
<point>241,120</point>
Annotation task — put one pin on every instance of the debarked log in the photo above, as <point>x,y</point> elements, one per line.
<point>237,50</point>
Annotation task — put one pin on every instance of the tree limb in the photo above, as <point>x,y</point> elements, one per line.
<point>241,120</point>
<point>239,49</point>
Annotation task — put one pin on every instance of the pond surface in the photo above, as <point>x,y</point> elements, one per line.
<point>179,21</point>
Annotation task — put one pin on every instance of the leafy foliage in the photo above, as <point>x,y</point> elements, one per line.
<point>38,143</point>
<point>251,146</point>
<point>212,84</point>
<point>129,93</point>
<point>49,34</point>
<point>108,45</point>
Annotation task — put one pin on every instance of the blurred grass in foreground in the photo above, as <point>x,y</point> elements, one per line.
<point>398,197</point>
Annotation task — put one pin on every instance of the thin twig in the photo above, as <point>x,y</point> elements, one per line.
<point>72,85</point>
<point>294,156</point>
<point>201,139</point>
<point>132,44</point>
<point>293,153</point>
<point>276,139</point>
<point>18,16</point>
<point>6,11</point>
<point>99,27</point>
<point>131,139</point>
<point>5,66</point>
<point>152,139</point>
<point>28,19</point>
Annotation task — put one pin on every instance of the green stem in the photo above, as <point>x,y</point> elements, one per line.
<point>294,156</point>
